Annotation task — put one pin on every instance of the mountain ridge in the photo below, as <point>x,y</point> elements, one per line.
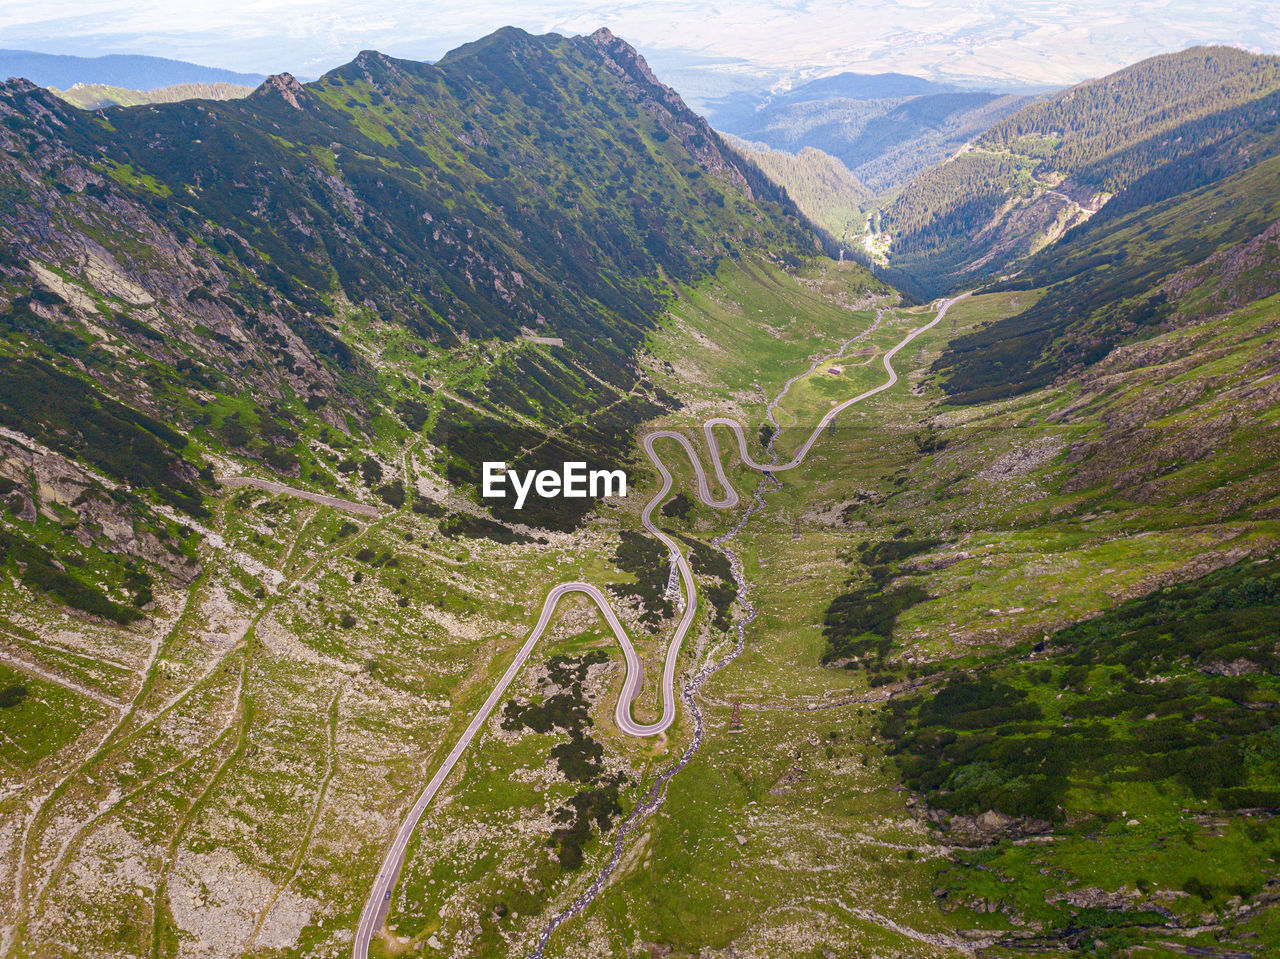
<point>400,207</point>
<point>1050,166</point>
<point>1120,275</point>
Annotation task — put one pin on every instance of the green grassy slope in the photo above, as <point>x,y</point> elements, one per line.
<point>1135,744</point>
<point>1146,737</point>
<point>821,186</point>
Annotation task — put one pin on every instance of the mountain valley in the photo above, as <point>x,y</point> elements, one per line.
<point>992,671</point>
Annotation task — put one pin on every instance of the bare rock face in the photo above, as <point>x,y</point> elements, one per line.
<point>175,289</point>
<point>50,485</point>
<point>20,85</point>
<point>1091,898</point>
<point>1237,667</point>
<point>215,898</point>
<point>623,54</point>
<point>1245,274</point>
<point>1021,226</point>
<point>373,64</point>
<point>285,86</point>
<point>992,826</point>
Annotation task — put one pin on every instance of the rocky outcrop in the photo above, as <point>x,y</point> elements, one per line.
<point>284,86</point>
<point>46,484</point>
<point>1237,276</point>
<point>988,827</point>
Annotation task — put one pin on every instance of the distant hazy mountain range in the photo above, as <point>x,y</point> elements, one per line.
<point>94,96</point>
<point>117,70</point>
<point>884,127</point>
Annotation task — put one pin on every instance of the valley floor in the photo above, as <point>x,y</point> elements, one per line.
<point>223,777</point>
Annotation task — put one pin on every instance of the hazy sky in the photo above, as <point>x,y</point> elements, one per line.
<point>1035,41</point>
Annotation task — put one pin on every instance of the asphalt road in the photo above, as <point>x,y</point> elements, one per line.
<point>379,901</point>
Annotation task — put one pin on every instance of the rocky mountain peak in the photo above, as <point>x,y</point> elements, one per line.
<point>284,85</point>
<point>627,59</point>
<point>674,114</point>
<point>369,58</point>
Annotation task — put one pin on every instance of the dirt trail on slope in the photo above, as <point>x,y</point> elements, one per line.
<point>271,486</point>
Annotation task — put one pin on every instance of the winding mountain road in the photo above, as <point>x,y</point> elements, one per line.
<point>379,901</point>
